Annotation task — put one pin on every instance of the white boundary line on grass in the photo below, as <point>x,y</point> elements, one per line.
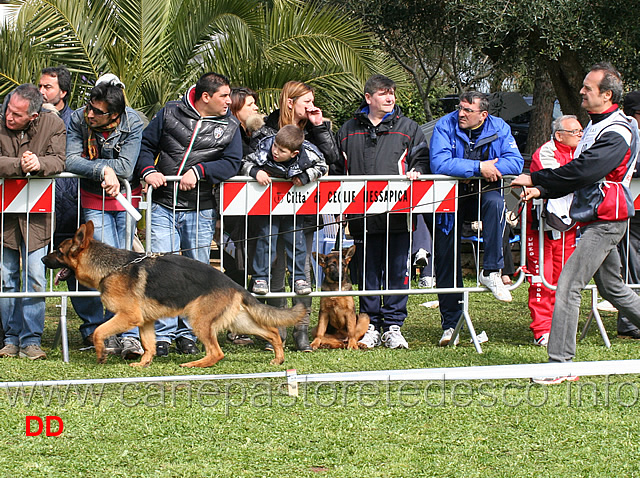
<point>485,372</point>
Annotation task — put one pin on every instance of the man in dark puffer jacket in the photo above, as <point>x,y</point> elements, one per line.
<point>380,140</point>
<point>196,138</point>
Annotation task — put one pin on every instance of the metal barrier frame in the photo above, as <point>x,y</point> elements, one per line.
<point>465,319</point>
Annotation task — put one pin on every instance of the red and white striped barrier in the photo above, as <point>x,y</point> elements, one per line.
<point>634,187</point>
<point>26,195</point>
<point>339,197</point>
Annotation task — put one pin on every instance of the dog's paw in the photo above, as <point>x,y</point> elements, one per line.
<point>316,344</point>
<point>277,361</point>
<point>102,360</point>
<point>139,364</point>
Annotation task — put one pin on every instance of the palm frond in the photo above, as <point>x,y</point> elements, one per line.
<point>72,31</point>
<point>15,71</point>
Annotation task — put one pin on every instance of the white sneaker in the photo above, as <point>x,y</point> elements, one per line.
<point>542,341</point>
<point>554,380</point>
<point>393,338</point>
<point>494,283</point>
<point>113,345</point>
<point>427,282</point>
<point>446,338</point>
<point>606,306</point>
<point>371,337</point>
<point>422,258</point>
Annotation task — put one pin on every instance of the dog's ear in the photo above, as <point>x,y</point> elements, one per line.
<point>321,259</point>
<point>83,235</point>
<point>90,229</point>
<point>349,252</point>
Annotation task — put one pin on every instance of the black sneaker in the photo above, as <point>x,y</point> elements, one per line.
<point>162,349</point>
<point>239,339</point>
<point>186,346</point>
<point>631,334</point>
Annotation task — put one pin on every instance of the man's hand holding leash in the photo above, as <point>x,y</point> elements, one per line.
<point>529,191</point>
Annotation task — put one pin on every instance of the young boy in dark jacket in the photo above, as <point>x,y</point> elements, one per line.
<point>286,155</point>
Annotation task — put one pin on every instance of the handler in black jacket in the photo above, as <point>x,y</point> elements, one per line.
<point>380,140</point>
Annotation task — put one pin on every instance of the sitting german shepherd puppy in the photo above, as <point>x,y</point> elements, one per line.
<point>140,289</point>
<point>338,326</point>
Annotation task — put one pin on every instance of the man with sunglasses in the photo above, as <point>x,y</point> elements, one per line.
<point>103,143</point>
<point>599,178</point>
<point>470,143</point>
<point>566,132</point>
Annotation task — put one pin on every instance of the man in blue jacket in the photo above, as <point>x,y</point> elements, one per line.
<point>103,143</point>
<point>471,143</point>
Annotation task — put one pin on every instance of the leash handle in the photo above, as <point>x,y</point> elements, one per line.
<point>133,212</point>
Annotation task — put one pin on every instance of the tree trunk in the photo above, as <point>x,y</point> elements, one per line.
<point>542,114</point>
<point>567,74</point>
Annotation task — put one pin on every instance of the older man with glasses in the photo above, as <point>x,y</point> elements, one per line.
<point>559,242</point>
<point>471,143</point>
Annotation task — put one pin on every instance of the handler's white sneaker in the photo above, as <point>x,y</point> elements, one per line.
<point>371,337</point>
<point>393,338</point>
<point>554,380</point>
<point>446,337</point>
<point>131,348</point>
<point>494,283</point>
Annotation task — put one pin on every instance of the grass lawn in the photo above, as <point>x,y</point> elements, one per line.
<point>252,428</point>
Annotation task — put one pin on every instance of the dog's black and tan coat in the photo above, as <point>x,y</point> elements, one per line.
<point>338,324</point>
<point>141,289</point>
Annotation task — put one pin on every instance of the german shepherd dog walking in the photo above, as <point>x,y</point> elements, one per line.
<point>338,326</point>
<point>141,289</point>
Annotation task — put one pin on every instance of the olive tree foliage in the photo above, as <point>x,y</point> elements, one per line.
<point>426,44</point>
<point>159,48</point>
<point>455,45</point>
<point>558,41</point>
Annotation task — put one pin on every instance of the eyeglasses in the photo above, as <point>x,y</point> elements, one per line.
<point>96,111</point>
<point>467,110</point>
<point>573,132</point>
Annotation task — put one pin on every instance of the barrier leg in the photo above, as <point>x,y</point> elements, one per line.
<point>467,320</point>
<point>587,325</point>
<point>61,331</point>
<point>595,314</point>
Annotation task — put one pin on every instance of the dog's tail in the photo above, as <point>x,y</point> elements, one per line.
<point>269,316</point>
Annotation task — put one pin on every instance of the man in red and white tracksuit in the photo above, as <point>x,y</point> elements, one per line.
<point>558,246</point>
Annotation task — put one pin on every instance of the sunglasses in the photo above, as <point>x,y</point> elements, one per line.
<point>96,111</point>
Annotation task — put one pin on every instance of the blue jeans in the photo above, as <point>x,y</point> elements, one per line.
<point>23,318</point>
<point>191,232</point>
<point>281,229</point>
<point>109,227</point>
<point>492,214</point>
